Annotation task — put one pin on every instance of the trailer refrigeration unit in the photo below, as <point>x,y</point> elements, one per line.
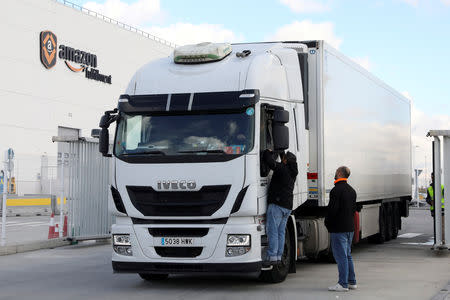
<point>189,188</point>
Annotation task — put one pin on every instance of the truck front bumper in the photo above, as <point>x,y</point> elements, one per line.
<point>185,268</point>
<point>212,259</point>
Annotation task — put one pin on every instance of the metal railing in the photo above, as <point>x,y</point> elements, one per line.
<point>118,23</point>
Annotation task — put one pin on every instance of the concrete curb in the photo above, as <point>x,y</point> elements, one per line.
<point>32,246</point>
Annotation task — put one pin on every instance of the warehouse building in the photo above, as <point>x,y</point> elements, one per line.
<point>62,66</point>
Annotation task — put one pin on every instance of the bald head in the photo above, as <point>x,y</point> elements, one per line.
<point>342,172</point>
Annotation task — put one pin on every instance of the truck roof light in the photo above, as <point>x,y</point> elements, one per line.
<point>201,53</point>
<point>247,96</point>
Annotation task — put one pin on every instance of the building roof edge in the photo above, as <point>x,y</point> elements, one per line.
<point>115,22</point>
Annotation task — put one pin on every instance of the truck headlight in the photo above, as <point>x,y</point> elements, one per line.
<point>238,240</point>
<point>238,244</point>
<point>122,244</point>
<point>121,240</point>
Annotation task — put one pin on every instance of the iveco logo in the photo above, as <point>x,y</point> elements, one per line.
<point>176,185</point>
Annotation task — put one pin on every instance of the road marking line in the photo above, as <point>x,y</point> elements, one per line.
<point>409,235</point>
<point>429,243</point>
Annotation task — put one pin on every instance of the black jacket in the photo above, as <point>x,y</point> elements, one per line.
<point>341,208</point>
<point>283,179</point>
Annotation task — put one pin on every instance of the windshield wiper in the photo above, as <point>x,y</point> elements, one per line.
<point>203,151</point>
<point>147,152</point>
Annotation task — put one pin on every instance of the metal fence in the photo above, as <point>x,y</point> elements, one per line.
<point>88,176</point>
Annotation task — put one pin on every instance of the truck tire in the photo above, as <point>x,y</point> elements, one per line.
<point>279,273</point>
<point>389,218</point>
<point>396,220</point>
<point>154,277</point>
<point>379,238</point>
<point>394,232</point>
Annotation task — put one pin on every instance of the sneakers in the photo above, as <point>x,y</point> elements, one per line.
<point>352,286</point>
<point>337,288</point>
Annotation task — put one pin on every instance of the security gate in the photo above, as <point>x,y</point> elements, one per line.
<point>87,177</point>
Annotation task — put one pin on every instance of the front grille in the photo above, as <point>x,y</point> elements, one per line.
<point>179,251</point>
<point>179,221</point>
<point>204,202</point>
<point>178,232</point>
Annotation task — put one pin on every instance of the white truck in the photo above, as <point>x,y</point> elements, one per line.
<point>189,188</point>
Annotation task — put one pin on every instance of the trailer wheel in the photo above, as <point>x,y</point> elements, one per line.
<point>389,224</point>
<point>154,277</point>
<point>379,238</point>
<point>279,273</point>
<point>396,220</point>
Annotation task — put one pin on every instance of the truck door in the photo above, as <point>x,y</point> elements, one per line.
<point>266,142</point>
<point>294,147</point>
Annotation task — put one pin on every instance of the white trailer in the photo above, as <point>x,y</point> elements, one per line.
<point>189,188</point>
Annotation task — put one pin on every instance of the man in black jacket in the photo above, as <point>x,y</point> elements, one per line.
<point>279,202</point>
<point>340,223</point>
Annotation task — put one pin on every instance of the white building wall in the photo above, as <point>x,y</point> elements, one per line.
<point>34,100</point>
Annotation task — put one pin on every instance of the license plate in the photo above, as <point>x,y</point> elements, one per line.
<point>177,241</point>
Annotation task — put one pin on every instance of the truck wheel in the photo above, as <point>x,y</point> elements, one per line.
<point>388,221</point>
<point>395,220</point>
<point>152,277</point>
<point>394,232</point>
<point>279,273</point>
<point>379,238</point>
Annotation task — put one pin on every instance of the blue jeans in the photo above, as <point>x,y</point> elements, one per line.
<point>341,244</point>
<point>276,219</point>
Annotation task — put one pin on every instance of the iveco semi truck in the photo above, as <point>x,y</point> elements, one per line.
<point>189,188</point>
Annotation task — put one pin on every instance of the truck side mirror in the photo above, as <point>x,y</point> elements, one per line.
<point>280,130</point>
<point>280,137</point>
<point>103,145</point>
<point>109,117</point>
<point>280,116</point>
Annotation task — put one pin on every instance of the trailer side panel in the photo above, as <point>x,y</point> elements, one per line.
<point>366,126</point>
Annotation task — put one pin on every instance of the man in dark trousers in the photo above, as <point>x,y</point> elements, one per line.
<point>340,223</point>
<point>279,203</point>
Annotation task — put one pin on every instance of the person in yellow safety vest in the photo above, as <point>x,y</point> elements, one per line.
<point>430,196</point>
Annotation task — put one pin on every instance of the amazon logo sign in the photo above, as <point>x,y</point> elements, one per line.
<point>75,59</point>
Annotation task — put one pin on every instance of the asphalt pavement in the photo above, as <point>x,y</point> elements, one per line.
<point>404,268</point>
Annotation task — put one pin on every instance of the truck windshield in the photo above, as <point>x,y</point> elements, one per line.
<point>196,134</point>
